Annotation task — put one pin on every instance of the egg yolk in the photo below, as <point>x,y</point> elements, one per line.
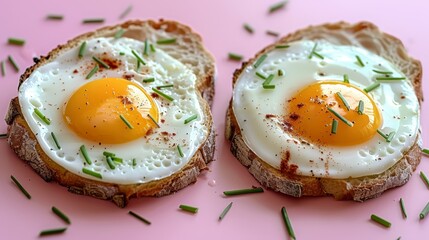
<point>308,115</point>
<point>111,110</point>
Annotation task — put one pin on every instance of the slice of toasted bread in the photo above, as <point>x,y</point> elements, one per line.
<point>364,35</point>
<point>189,50</point>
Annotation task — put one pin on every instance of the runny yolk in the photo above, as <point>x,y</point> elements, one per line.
<point>94,111</point>
<point>309,117</point>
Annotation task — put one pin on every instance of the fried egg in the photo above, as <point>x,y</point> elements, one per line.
<point>288,100</point>
<point>114,112</point>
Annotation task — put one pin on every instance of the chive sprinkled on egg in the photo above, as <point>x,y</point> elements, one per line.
<point>3,68</point>
<point>346,78</point>
<point>13,63</point>
<point>191,118</point>
<point>85,154</point>
<point>119,33</point>
<point>16,41</point>
<point>134,162</point>
<point>61,215</point>
<point>52,231</point>
<point>153,120</point>
<point>380,221</point>
<point>243,191</point>
<point>424,212</point>
<point>126,121</point>
<point>382,72</point>
<point>106,153</point>
<point>315,53</point>
<point>117,160</point>
<point>82,49</point>
<point>225,211</point>
<point>126,12</point>
<point>55,140</point>
<point>390,78</point>
<point>188,208</point>
<point>165,86</point>
<point>260,75</point>
<point>166,41</point>
<point>387,137</point>
<point>93,71</point>
<point>149,80</point>
<point>282,46</point>
<point>424,178</point>
<point>334,126</point>
<point>359,61</point>
<point>91,173</point>
<point>152,47</point>
<point>372,87</point>
<point>402,205</point>
<point>280,73</point>
<point>288,223</point>
<point>343,119</point>
<point>101,62</point>
<point>18,184</point>
<point>272,33</point>
<point>139,217</point>
<point>42,116</point>
<point>248,28</point>
<point>277,6</point>
<point>346,104</point>
<point>179,149</point>
<point>139,59</point>
<point>268,79</point>
<point>165,96</point>
<point>55,17</point>
<point>110,162</point>
<point>260,60</point>
<point>361,107</point>
<point>92,20</point>
<point>235,56</point>
<point>146,47</point>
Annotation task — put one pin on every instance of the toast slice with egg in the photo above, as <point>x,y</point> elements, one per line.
<point>285,178</point>
<point>188,49</point>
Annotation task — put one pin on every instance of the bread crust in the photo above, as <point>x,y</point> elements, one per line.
<point>362,34</point>
<point>23,141</point>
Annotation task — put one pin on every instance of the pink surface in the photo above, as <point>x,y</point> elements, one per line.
<point>252,216</point>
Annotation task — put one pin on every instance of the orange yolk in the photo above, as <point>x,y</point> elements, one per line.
<point>94,111</point>
<point>309,117</point>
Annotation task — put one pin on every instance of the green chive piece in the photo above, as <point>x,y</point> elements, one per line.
<point>20,187</point>
<point>126,12</point>
<point>269,86</point>
<point>42,117</point>
<point>277,6</point>
<point>243,191</point>
<point>119,33</point>
<point>280,72</point>
<point>346,78</point>
<point>288,224</point>
<point>55,140</point>
<point>139,59</point>
<point>167,97</point>
<point>126,121</point>
<point>153,120</point>
<point>149,80</point>
<point>139,217</point>
<point>13,63</point>
<point>61,215</point>
<point>260,60</point>
<point>165,86</point>
<point>401,203</point>
<point>92,173</point>
<point>260,75</point>
<point>388,137</point>
<point>134,162</point>
<point>314,53</point>
<point>52,231</point>
<point>380,220</point>
<point>390,78</point>
<point>3,135</point>
<point>281,46</point>
<point>101,62</point>
<point>16,41</point>
<point>106,153</point>
<point>340,117</point>
<point>424,178</point>
<point>146,47</point>
<point>110,162</point>
<point>117,160</point>
<point>166,41</point>
<point>3,68</point>
<point>93,71</point>
<point>334,126</point>
<point>425,151</point>
<point>179,149</point>
<point>318,55</point>
<point>188,208</point>
<point>121,53</point>
<point>360,107</point>
<point>346,104</point>
<point>382,72</point>
<point>225,211</point>
<point>372,87</point>
<point>268,80</point>
<point>248,28</point>
<point>152,48</point>
<point>235,57</point>
<point>93,20</point>
<point>85,154</point>
<point>82,49</point>
<point>424,212</point>
<point>54,17</point>
<point>191,118</point>
<point>272,33</point>
<point>360,61</point>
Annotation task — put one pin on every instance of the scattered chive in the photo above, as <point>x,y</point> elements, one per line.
<point>360,107</point>
<point>93,20</point>
<point>52,231</point>
<point>153,120</point>
<point>272,33</point>
<point>106,153</point>
<point>288,224</point>
<point>268,80</point>
<point>20,187</point>
<point>134,162</point>
<point>388,137</point>
<point>165,86</point>
<point>119,33</point>
<point>149,80</point>
<point>110,162</point>
<point>92,173</point>
<point>61,215</point>
<point>3,135</point>
<point>55,140</point>
<point>401,203</point>
<point>425,151</point>
<point>260,75</point>
<point>139,217</point>
<point>424,178</point>
<point>121,53</point>
<point>268,86</point>
<point>260,60</point>
<point>235,57</point>
<point>425,211</point>
<point>99,61</point>
<point>382,72</point>
<point>139,59</point>
<point>277,6</point>
<point>146,47</point>
<point>346,78</point>
<point>85,154</point>
<point>281,46</point>
<point>248,28</point>
<point>167,97</point>
<point>340,117</point>
<point>138,67</point>
<point>346,104</point>
<point>191,118</point>
<point>318,55</point>
<point>166,41</point>
<point>314,53</point>
<point>126,12</point>
<point>126,121</point>
<point>390,78</point>
<point>188,208</point>
<point>82,49</point>
<point>280,72</point>
<point>42,117</point>
<point>179,149</point>
<point>93,71</point>
<point>13,63</point>
<point>225,211</point>
<point>54,17</point>
<point>380,220</point>
<point>3,69</point>
<point>334,126</point>
<point>117,160</point>
<point>16,41</point>
<point>152,47</point>
<point>360,61</point>
<point>371,87</point>
<point>243,191</point>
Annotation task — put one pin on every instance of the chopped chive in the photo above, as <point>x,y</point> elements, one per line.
<point>380,220</point>
<point>360,61</point>
<point>188,208</point>
<point>388,137</point>
<point>260,60</point>
<point>3,68</point>
<point>121,53</point>
<point>424,178</point>
<point>268,80</point>
<point>119,33</point>
<point>314,53</point>
<point>318,55</point>
<point>334,126</point>
<point>340,117</point>
<point>225,211</point>
<point>93,20</point>
<point>282,46</point>
<point>54,17</point>
<point>390,78</point>
<point>179,149</point>
<point>110,162</point>
<point>93,71</point>
<point>13,63</point>
<point>61,215</point>
<point>167,97</point>
<point>3,135</point>
<point>371,87</point>
<point>191,118</point>
<point>346,104</point>
<point>139,59</point>
<point>52,231</point>
<point>165,86</point>
<point>288,224</point>
<point>99,61</point>
<point>42,117</point>
<point>152,47</point>
<point>85,154</point>
<point>149,80</point>
<point>139,217</point>
<point>82,49</point>
<point>280,72</point>
<point>272,33</point>
<point>20,187</point>
<point>243,191</point>
<point>134,162</point>
<point>277,6</point>
<point>126,12</point>
<point>360,107</point>
<point>146,47</point>
<point>16,41</point>
<point>248,28</point>
<point>92,173</point>
<point>117,160</point>
<point>269,86</point>
<point>153,120</point>
<point>126,121</point>
<point>106,153</point>
<point>55,140</point>
<point>425,211</point>
<point>425,151</point>
<point>260,75</point>
<point>346,78</point>
<point>382,72</point>
<point>166,41</point>
<point>235,57</point>
<point>401,203</point>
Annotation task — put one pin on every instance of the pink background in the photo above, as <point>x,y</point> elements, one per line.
<point>252,216</point>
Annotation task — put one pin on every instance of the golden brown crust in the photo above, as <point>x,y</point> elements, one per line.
<point>363,34</point>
